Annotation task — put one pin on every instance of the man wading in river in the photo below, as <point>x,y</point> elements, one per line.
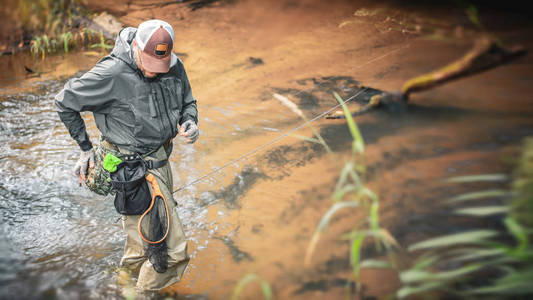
<point>141,99</point>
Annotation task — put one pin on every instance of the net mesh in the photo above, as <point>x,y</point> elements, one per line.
<point>154,226</point>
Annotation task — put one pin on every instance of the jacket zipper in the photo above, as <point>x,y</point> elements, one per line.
<point>163,97</point>
<point>153,94</point>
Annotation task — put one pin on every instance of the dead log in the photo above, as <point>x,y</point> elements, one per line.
<point>486,54</point>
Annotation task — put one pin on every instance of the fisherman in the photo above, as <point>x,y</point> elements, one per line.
<point>141,99</point>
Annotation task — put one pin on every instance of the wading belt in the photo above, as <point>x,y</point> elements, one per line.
<point>156,192</point>
<point>150,164</point>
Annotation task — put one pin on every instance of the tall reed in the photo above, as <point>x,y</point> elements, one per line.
<point>350,192</point>
<point>502,256</point>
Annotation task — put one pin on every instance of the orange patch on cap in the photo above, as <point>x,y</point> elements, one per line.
<point>161,49</point>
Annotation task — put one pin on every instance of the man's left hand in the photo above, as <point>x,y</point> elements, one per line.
<point>189,129</point>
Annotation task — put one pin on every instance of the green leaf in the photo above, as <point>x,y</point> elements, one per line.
<point>514,283</point>
<point>470,237</point>
<point>413,276</point>
<point>518,232</point>
<point>375,264</point>
<point>476,254</point>
<point>339,193</point>
<point>483,211</point>
<point>347,172</point>
<point>374,217</point>
<point>382,235</point>
<point>410,290</point>
<point>482,177</point>
<point>267,291</point>
<point>356,252</point>
<point>425,262</point>
<point>324,222</point>
<point>265,287</point>
<point>517,276</point>
<point>343,177</point>
<point>479,195</point>
<point>358,145</point>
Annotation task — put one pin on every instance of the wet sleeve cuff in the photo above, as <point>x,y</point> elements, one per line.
<point>186,118</point>
<point>86,145</point>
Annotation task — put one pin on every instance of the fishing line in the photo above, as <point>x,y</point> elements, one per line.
<point>287,133</point>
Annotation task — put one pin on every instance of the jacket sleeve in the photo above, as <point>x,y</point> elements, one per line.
<point>90,92</point>
<point>190,111</point>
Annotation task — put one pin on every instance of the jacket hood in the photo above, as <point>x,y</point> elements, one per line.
<point>123,49</point>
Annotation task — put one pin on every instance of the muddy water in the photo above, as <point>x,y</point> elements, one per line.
<point>258,214</point>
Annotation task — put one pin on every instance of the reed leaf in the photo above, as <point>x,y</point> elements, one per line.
<point>344,174</point>
<point>483,211</point>
<point>340,192</point>
<point>388,239</point>
<point>479,195</point>
<point>513,283</point>
<point>375,264</point>
<point>426,262</point>
<point>355,253</point>
<point>414,276</point>
<point>324,221</point>
<point>311,248</point>
<point>480,178</point>
<point>476,254</point>
<point>358,145</point>
<point>247,279</point>
<point>412,290</point>
<point>518,232</point>
<point>470,237</point>
<point>374,215</point>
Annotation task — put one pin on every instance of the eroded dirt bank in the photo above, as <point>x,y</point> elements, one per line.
<point>259,214</point>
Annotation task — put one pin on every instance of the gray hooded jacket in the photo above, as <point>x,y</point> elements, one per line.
<point>133,112</point>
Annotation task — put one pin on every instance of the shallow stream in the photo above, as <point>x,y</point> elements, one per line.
<point>59,241</point>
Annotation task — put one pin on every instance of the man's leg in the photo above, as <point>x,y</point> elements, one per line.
<point>178,258</point>
<point>134,253</point>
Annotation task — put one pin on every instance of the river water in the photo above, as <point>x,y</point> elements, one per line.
<point>59,241</point>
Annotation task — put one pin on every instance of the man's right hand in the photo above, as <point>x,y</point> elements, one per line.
<point>85,161</point>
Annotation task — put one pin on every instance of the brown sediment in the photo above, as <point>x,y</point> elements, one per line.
<point>268,205</point>
<point>300,43</point>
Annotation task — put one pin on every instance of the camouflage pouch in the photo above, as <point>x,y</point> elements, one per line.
<point>98,179</point>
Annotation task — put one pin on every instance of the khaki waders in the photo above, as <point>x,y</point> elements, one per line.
<point>135,258</point>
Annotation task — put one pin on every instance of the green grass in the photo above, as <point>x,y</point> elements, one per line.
<point>350,193</point>
<point>248,279</point>
<point>453,264</point>
<point>52,25</point>
<point>449,264</point>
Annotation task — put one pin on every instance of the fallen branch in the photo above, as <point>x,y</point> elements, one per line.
<point>486,54</point>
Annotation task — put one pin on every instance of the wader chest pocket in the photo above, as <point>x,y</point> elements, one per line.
<point>132,193</point>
